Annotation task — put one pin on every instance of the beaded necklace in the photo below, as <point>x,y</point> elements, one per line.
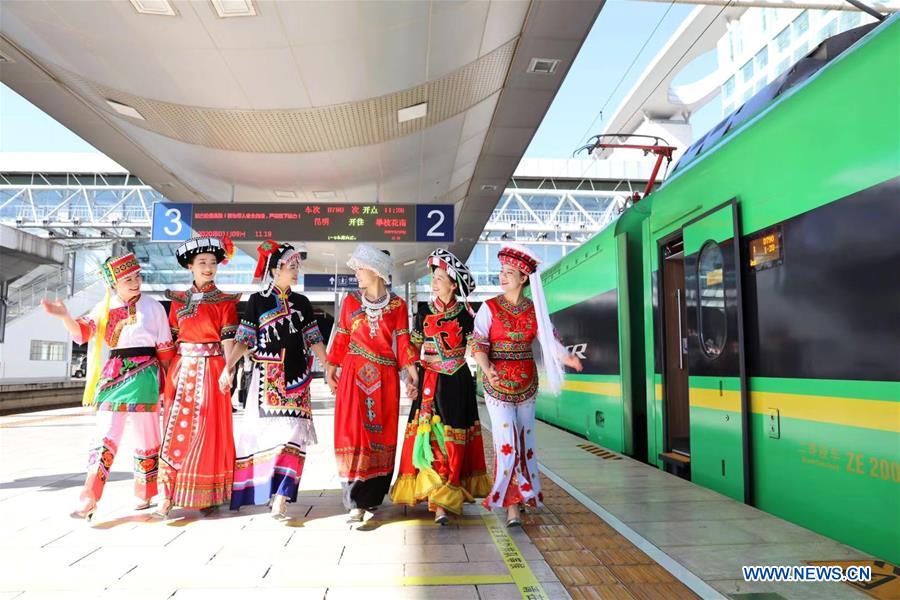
<point>374,310</point>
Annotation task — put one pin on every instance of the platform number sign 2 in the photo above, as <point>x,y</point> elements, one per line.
<point>171,222</point>
<point>434,222</point>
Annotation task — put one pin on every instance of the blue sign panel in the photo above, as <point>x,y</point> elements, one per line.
<point>322,281</point>
<point>171,222</point>
<point>434,222</point>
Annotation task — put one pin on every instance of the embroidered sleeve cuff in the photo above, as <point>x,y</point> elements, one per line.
<point>87,328</point>
<point>338,346</point>
<point>246,335</point>
<point>478,343</point>
<point>312,335</point>
<point>407,358</point>
<point>165,350</point>
<point>417,337</point>
<point>228,332</point>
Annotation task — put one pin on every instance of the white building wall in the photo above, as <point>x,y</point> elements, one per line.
<point>15,353</point>
<point>765,42</point>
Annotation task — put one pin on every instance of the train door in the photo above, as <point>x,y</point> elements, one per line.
<point>715,351</point>
<point>677,432</point>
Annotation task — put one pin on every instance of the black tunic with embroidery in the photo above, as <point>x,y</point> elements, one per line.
<point>280,329</point>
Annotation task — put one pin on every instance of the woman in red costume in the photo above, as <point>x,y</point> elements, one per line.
<point>197,454</point>
<point>373,322</point>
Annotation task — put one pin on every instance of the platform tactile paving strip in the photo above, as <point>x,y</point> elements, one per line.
<point>592,560</point>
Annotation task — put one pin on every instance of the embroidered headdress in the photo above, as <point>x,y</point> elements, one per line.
<point>114,269</point>
<point>368,257</point>
<point>527,262</point>
<point>272,254</point>
<point>456,269</point>
<point>222,249</point>
<point>518,257</point>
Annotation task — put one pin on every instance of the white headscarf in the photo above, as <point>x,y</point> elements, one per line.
<point>548,343</point>
<point>369,257</point>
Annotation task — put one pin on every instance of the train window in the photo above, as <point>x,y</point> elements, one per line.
<point>711,310</point>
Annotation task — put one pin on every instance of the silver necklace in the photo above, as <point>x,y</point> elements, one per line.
<point>374,310</point>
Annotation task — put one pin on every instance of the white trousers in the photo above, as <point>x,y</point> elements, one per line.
<point>516,479</point>
<point>107,436</point>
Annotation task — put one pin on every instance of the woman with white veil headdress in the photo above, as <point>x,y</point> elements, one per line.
<point>505,328</point>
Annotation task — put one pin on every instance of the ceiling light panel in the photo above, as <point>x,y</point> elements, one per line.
<point>543,66</point>
<point>233,8</point>
<point>410,113</point>
<point>154,7</point>
<point>125,110</point>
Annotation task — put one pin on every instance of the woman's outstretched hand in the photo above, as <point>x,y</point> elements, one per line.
<point>55,308</point>
<point>573,362</point>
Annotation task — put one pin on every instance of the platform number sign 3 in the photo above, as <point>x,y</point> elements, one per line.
<point>171,222</point>
<point>434,223</point>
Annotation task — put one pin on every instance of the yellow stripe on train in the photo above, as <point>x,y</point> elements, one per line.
<point>593,387</point>
<point>854,412</point>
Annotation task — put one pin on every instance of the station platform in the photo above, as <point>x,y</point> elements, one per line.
<point>612,527</point>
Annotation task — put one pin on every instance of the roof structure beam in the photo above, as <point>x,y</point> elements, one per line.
<point>798,4</point>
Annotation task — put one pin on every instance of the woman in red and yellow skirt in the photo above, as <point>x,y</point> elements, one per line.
<point>442,461</point>
<point>197,454</point>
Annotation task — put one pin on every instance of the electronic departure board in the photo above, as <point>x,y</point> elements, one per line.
<point>320,222</point>
<point>765,249</point>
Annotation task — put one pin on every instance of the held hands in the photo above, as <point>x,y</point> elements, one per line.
<point>573,362</point>
<point>225,380</point>
<point>55,308</point>
<point>331,379</point>
<point>412,385</point>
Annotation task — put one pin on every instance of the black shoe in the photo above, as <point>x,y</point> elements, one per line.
<point>514,522</point>
<point>442,520</point>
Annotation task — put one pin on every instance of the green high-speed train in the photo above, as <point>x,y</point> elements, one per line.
<point>740,326</point>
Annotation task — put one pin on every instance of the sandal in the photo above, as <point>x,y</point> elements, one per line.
<point>279,507</point>
<point>163,510</point>
<point>86,512</point>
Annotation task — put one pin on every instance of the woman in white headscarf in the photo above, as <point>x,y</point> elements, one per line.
<point>370,345</point>
<point>505,328</point>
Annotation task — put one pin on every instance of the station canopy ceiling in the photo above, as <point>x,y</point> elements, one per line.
<point>302,101</point>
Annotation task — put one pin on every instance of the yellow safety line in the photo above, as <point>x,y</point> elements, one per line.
<point>529,586</point>
<point>400,581</point>
<point>453,580</point>
<point>402,522</point>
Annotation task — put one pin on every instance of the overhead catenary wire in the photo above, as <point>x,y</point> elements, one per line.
<point>671,69</point>
<point>609,98</point>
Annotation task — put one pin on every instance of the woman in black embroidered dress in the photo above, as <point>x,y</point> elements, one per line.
<point>280,330</point>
